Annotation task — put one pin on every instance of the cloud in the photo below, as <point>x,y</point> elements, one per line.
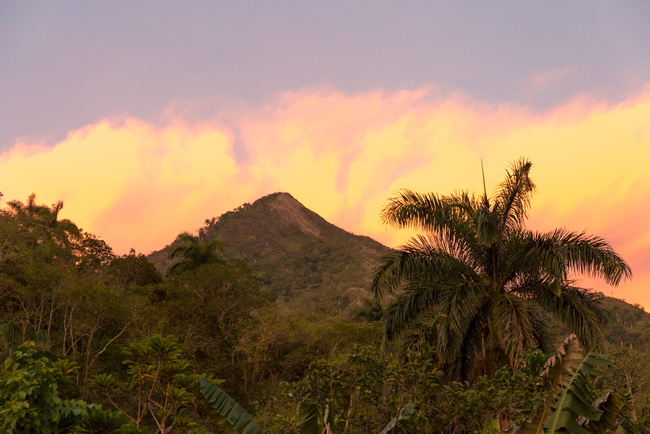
<point>138,185</point>
<point>544,80</point>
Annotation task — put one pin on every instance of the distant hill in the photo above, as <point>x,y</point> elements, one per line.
<point>301,258</point>
<point>629,325</point>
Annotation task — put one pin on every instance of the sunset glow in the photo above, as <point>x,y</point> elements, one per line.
<point>138,184</point>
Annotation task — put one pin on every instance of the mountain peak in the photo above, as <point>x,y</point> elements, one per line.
<point>295,253</point>
<point>278,195</point>
<point>290,211</point>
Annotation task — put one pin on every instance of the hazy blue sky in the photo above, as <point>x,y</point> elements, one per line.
<point>67,64</point>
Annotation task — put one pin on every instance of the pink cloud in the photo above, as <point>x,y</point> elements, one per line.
<point>542,81</point>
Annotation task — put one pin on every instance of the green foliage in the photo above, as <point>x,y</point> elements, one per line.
<point>10,338</point>
<point>194,253</point>
<point>404,414</point>
<point>576,402</point>
<point>159,383</point>
<point>575,407</point>
<point>370,391</point>
<point>631,380</point>
<point>30,399</point>
<point>103,422</point>
<point>233,417</point>
<point>51,284</point>
<point>282,344</point>
<point>133,269</point>
<point>208,309</point>
<point>93,254</point>
<point>629,325</point>
<point>55,237</point>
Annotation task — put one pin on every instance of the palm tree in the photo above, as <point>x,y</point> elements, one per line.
<point>480,280</point>
<point>61,234</point>
<point>194,252</point>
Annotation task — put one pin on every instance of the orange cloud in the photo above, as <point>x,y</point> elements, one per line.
<point>138,185</point>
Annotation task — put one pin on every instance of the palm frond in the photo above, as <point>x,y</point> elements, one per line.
<point>463,311</point>
<point>409,209</point>
<point>513,321</point>
<point>487,224</point>
<point>423,330</point>
<point>450,319</point>
<point>407,308</point>
<point>514,194</point>
<point>447,216</point>
<point>471,346</point>
<point>178,268</point>
<point>576,307</point>
<point>182,239</point>
<point>194,252</point>
<point>591,255</point>
<point>421,256</point>
<point>544,341</point>
<point>560,253</point>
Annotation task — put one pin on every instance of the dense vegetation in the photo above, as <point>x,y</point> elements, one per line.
<point>271,305</point>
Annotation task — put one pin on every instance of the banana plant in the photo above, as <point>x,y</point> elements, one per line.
<point>232,417</point>
<point>404,414</point>
<point>571,405</point>
<point>315,420</point>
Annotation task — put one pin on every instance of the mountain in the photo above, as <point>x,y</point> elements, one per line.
<point>301,258</point>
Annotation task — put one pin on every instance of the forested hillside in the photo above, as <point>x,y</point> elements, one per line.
<point>296,255</point>
<point>271,304</point>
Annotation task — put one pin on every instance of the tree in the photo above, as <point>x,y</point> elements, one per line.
<point>160,384</point>
<point>30,395</point>
<point>132,269</point>
<point>195,252</point>
<point>36,259</point>
<point>92,253</point>
<point>56,236</point>
<point>480,279</point>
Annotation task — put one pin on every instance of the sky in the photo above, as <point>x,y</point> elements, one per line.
<point>146,118</point>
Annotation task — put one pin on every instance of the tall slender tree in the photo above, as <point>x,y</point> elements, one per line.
<point>480,280</point>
